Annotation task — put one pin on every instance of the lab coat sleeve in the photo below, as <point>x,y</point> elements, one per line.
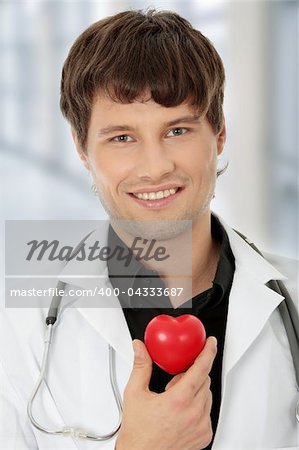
<point>15,432</point>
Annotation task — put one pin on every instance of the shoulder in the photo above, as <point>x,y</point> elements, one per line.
<point>264,266</point>
<point>290,268</point>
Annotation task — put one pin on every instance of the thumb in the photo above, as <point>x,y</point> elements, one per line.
<point>142,369</point>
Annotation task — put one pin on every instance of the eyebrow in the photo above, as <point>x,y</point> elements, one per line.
<point>194,118</point>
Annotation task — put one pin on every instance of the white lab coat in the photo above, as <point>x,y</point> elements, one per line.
<point>258,381</point>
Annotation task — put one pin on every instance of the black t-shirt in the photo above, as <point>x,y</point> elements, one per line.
<point>210,306</point>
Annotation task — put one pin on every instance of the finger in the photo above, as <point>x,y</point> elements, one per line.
<point>210,347</point>
<point>174,381</point>
<point>205,397</point>
<point>205,388</point>
<point>196,375</point>
<point>142,368</point>
<point>208,404</point>
<point>203,402</point>
<point>202,397</point>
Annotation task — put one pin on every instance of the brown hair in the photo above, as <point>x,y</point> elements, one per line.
<point>134,52</point>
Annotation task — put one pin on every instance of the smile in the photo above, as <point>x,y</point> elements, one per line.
<point>155,195</point>
<point>156,200</point>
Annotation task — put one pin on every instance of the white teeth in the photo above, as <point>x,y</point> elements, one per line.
<point>156,195</point>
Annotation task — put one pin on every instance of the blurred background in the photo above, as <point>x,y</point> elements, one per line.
<point>41,175</point>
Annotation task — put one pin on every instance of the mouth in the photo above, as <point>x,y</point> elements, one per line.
<point>156,199</point>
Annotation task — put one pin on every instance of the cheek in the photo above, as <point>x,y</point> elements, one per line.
<point>199,161</point>
<point>108,171</point>
<point>201,167</point>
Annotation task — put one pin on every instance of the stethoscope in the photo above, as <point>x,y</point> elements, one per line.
<point>287,311</point>
<point>70,431</point>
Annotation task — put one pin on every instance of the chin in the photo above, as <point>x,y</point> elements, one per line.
<point>160,230</point>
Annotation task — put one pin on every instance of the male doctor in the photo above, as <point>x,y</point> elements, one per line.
<point>143,93</point>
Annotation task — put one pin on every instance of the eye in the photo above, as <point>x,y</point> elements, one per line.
<point>177,132</point>
<point>122,138</point>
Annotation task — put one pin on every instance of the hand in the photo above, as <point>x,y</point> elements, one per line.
<point>177,419</point>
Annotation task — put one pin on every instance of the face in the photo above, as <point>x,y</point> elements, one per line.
<point>152,165</point>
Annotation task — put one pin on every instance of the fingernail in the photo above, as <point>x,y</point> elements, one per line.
<point>215,341</point>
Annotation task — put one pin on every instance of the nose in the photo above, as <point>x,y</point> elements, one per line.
<point>155,162</point>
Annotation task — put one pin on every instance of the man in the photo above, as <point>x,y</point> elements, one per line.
<point>143,93</point>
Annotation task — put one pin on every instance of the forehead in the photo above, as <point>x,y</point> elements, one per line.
<point>104,108</point>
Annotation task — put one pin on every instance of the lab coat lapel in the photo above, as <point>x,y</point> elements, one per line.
<point>104,313</point>
<point>250,305</point>
<point>111,324</point>
<point>251,302</point>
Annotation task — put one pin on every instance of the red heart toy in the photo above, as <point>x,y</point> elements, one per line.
<point>174,342</point>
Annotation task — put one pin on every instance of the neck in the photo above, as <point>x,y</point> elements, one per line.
<point>191,263</point>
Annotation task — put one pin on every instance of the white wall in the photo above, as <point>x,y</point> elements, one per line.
<point>258,41</point>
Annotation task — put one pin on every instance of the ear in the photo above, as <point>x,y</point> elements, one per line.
<point>82,154</point>
<point>221,138</point>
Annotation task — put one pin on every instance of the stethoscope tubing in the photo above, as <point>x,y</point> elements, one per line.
<point>41,378</point>
<point>72,431</point>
